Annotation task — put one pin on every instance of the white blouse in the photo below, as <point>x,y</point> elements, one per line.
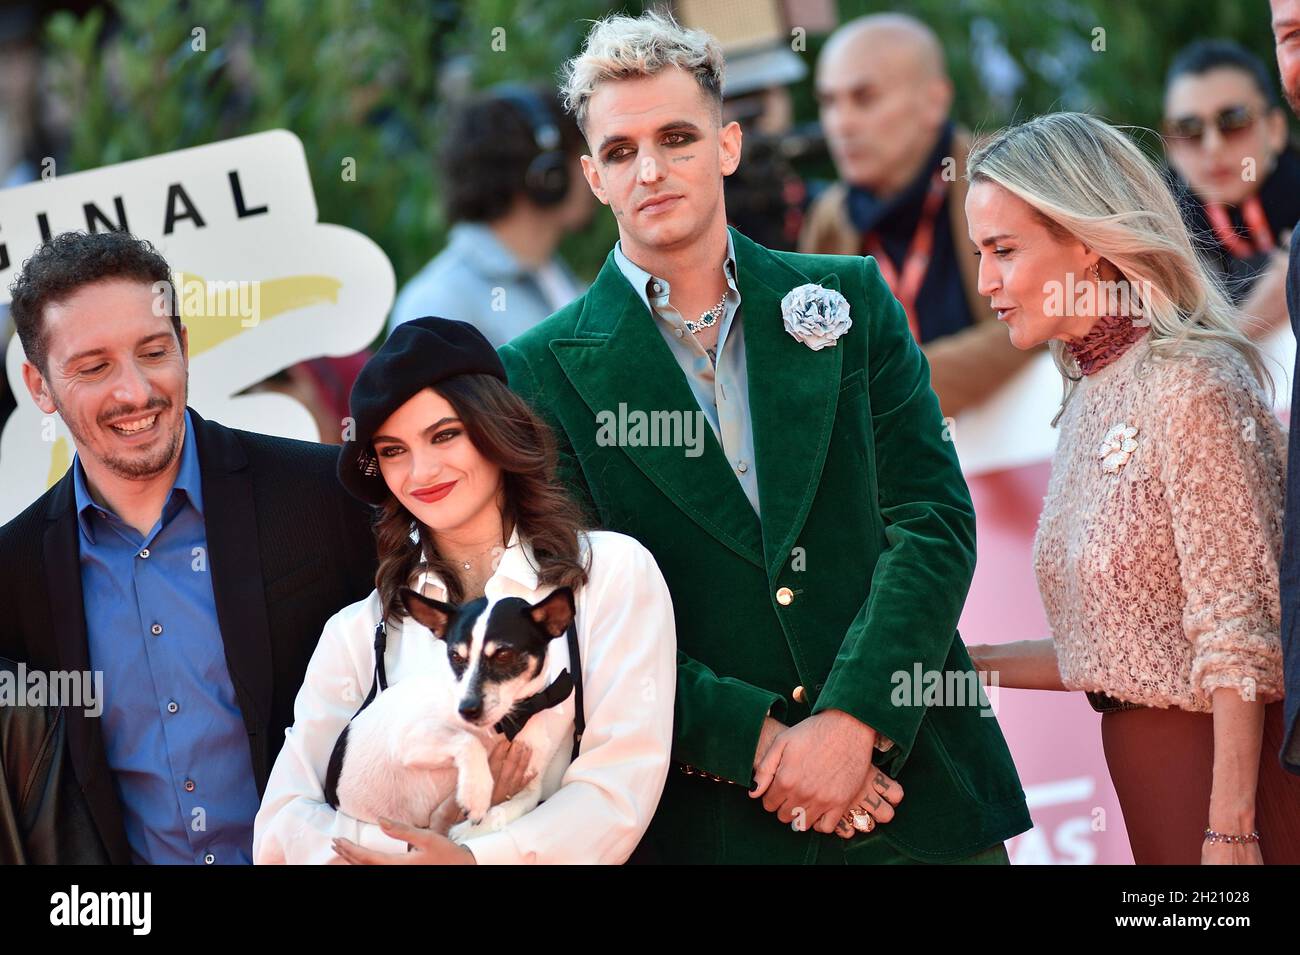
<point>595,809</point>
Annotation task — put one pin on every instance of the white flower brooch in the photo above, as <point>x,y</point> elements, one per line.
<point>815,315</point>
<point>1120,442</point>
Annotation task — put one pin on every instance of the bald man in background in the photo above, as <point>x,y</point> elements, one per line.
<point>885,97</point>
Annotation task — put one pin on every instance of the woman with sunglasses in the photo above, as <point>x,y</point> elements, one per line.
<point>1236,177</point>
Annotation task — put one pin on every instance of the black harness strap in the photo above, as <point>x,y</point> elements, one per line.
<point>522,711</point>
<point>579,712</point>
<point>380,682</point>
<point>510,724</point>
<point>381,675</point>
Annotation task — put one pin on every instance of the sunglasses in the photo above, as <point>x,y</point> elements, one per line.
<point>1230,122</point>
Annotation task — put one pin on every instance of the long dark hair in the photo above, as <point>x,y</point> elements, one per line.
<point>506,431</point>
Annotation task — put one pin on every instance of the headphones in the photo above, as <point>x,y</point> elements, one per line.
<point>546,180</point>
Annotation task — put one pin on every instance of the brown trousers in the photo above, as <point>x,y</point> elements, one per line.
<point>1161,763</point>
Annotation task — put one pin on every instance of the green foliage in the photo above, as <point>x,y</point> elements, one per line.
<point>356,80</point>
<point>365,78</point>
<point>1052,42</point>
<point>514,41</point>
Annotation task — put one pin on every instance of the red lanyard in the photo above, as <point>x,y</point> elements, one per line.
<point>1256,226</point>
<point>917,260</point>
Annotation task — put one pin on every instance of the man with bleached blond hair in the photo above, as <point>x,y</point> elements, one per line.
<point>822,543</point>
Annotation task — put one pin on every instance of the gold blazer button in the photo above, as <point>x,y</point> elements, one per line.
<point>785,596</point>
<point>799,694</point>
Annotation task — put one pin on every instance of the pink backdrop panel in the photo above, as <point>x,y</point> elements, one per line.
<point>1055,738</point>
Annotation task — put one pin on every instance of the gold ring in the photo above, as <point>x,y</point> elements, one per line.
<point>862,820</point>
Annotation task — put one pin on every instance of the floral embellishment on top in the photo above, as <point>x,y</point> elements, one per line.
<point>815,315</point>
<point>1120,442</point>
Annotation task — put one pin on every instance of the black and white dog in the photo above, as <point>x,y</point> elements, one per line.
<point>429,735</point>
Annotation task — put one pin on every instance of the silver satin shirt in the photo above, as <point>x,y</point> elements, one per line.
<point>722,391</point>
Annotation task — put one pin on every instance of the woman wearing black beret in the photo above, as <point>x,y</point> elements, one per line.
<point>462,475</point>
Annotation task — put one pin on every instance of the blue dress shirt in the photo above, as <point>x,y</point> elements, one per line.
<point>476,279</point>
<point>173,733</point>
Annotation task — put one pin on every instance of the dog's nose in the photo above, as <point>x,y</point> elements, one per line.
<point>471,709</point>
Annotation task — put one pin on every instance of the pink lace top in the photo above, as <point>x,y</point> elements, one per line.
<point>1158,544</point>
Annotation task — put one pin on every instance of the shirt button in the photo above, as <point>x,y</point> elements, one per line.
<point>679,333</point>
<point>156,629</point>
<point>785,596</point>
<point>209,858</point>
<point>658,288</point>
<point>189,785</point>
<point>172,706</point>
<point>742,467</point>
<point>145,553</point>
<point>800,695</point>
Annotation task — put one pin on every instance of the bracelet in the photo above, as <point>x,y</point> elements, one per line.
<point>1213,836</point>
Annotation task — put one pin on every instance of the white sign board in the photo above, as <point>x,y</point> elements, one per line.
<point>261,284</point>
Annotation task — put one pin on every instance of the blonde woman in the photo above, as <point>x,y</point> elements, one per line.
<point>1158,545</point>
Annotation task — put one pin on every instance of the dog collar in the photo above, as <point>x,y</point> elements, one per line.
<point>522,711</point>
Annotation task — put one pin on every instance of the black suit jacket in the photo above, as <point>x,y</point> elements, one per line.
<point>287,548</point>
<point>1290,570</point>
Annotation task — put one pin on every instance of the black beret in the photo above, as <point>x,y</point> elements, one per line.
<point>418,354</point>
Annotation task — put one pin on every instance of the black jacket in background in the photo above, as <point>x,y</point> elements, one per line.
<point>287,548</point>
<point>942,305</point>
<point>1290,569</point>
<point>44,819</point>
<point>1279,198</point>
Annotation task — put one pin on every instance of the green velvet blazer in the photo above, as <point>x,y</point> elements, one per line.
<point>866,522</point>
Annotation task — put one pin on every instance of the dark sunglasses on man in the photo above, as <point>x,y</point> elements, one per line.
<point>1231,121</point>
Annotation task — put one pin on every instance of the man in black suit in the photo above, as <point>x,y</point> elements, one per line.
<point>1286,33</point>
<point>191,564</point>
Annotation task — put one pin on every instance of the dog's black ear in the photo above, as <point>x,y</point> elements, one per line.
<point>434,614</point>
<point>555,612</point>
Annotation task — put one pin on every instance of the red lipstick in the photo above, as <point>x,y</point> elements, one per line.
<point>433,493</point>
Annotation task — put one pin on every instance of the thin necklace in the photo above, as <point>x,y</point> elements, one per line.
<point>468,564</point>
<point>710,318</point>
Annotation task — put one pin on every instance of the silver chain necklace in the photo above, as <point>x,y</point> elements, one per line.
<point>709,318</point>
<point>468,564</point>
